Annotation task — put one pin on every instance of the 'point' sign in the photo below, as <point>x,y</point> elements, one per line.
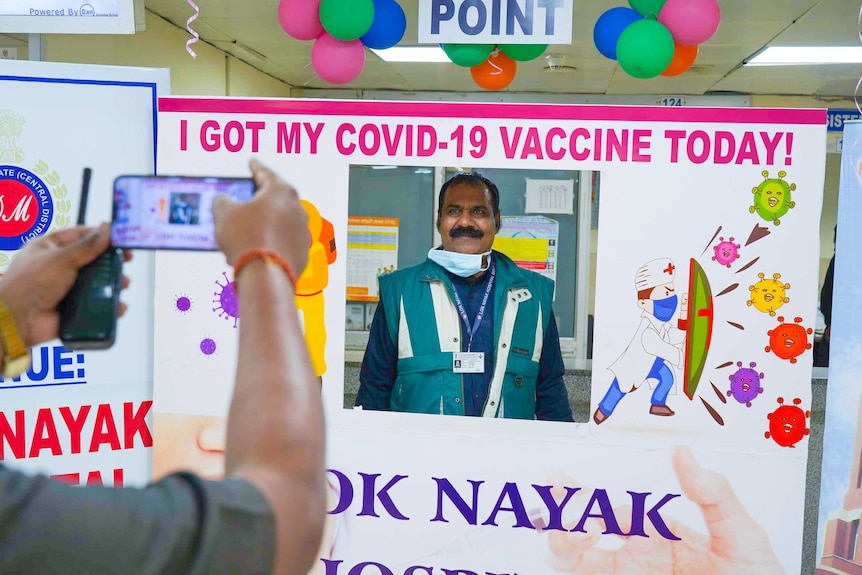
<point>495,21</point>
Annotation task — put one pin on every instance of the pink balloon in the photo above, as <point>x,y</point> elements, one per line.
<point>337,61</point>
<point>300,18</point>
<point>691,22</point>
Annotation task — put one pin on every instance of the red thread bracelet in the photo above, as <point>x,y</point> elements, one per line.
<point>269,257</point>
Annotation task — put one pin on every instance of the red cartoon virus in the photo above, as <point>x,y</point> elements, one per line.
<point>789,340</point>
<point>787,423</point>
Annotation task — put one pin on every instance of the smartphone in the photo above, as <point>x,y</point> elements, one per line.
<point>88,313</point>
<point>170,212</point>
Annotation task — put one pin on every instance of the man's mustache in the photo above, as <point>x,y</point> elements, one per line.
<point>466,233</point>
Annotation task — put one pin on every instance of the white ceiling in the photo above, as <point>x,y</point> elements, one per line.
<point>746,27</point>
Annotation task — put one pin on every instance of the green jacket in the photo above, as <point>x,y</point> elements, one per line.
<point>424,322</point>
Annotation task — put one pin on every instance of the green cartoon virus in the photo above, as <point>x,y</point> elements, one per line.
<point>772,197</point>
<point>768,295</point>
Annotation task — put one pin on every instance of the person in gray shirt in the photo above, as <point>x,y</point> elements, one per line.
<point>267,515</point>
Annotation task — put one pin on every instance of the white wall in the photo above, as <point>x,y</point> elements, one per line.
<point>161,45</point>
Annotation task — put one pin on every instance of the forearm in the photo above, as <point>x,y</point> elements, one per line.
<point>552,397</point>
<point>275,429</point>
<point>379,366</point>
<point>375,387</point>
<point>552,400</point>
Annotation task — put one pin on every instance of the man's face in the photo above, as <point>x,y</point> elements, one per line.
<point>466,222</point>
<point>658,293</point>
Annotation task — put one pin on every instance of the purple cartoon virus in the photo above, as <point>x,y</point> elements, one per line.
<point>208,346</point>
<point>227,305</point>
<point>182,304</point>
<point>745,384</point>
<point>726,252</point>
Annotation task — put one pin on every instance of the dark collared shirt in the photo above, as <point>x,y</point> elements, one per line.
<point>180,525</point>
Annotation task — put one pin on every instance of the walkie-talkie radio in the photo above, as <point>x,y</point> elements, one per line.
<point>88,313</point>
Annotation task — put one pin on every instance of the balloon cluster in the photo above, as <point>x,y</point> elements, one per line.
<point>656,37</point>
<point>492,66</point>
<point>341,29</point>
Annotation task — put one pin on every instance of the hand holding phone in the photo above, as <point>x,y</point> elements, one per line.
<point>170,212</point>
<point>275,219</point>
<point>88,313</point>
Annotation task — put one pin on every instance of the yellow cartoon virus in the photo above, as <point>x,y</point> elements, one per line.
<point>767,295</point>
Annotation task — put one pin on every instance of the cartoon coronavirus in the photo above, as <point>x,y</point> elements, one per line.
<point>225,300</point>
<point>208,346</point>
<point>772,197</point>
<point>787,423</point>
<point>726,252</point>
<point>745,384</point>
<point>182,304</point>
<point>789,340</point>
<point>767,295</point>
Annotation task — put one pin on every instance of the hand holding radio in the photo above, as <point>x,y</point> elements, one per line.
<point>274,220</point>
<point>43,272</point>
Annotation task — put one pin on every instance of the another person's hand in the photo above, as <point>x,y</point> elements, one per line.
<point>43,272</point>
<point>185,442</point>
<point>736,544</point>
<point>274,220</point>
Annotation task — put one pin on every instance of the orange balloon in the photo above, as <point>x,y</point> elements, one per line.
<point>495,73</point>
<point>683,57</point>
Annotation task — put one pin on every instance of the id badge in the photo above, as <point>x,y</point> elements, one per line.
<point>468,362</point>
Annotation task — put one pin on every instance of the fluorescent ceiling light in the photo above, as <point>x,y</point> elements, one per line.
<point>805,55</point>
<point>383,167</point>
<point>413,54</point>
<point>250,51</point>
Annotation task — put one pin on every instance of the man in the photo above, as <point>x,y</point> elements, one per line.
<point>821,349</point>
<point>266,516</point>
<point>655,346</point>
<point>181,210</point>
<point>466,332</point>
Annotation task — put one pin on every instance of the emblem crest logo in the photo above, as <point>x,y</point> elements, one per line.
<point>32,201</point>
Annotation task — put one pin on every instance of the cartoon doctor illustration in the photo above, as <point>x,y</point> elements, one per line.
<point>656,346</point>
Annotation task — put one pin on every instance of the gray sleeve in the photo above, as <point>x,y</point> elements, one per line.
<point>180,525</point>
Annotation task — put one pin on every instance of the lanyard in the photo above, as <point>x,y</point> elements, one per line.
<point>481,313</point>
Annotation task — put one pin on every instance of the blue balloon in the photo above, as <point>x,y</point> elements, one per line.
<point>388,26</point>
<point>608,28</point>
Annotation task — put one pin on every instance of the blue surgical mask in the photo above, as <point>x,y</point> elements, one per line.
<point>663,309</point>
<point>464,265</point>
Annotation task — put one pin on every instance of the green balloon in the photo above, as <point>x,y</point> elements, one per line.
<point>468,55</point>
<point>523,52</point>
<point>645,49</point>
<point>647,7</point>
<point>346,19</point>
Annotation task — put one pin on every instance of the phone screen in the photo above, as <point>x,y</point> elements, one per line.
<point>170,212</point>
